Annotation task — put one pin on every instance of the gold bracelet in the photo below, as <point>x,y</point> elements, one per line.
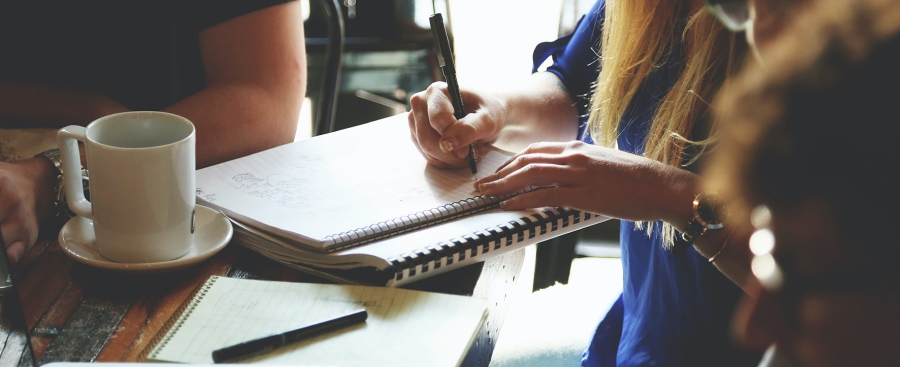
<point>713,257</point>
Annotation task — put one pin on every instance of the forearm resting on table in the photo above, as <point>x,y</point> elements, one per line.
<point>236,119</point>
<point>42,106</point>
<point>541,110</point>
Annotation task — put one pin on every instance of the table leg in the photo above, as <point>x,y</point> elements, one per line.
<point>496,283</point>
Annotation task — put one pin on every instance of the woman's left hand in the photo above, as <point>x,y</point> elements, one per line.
<point>594,179</point>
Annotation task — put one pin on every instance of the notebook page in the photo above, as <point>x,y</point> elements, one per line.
<point>338,182</point>
<point>404,328</point>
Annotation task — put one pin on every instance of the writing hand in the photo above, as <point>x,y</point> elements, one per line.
<point>25,197</point>
<point>594,179</point>
<point>440,137</point>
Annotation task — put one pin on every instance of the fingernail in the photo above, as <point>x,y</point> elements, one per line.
<point>461,153</point>
<point>447,145</point>
<point>479,182</point>
<point>503,204</point>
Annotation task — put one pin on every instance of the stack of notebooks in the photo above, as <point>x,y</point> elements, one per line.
<point>363,206</point>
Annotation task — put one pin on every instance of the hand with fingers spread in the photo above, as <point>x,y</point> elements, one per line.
<point>25,190</point>
<point>594,179</point>
<point>440,137</point>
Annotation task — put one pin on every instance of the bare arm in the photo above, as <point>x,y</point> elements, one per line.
<point>256,80</point>
<point>255,69</point>
<point>539,111</point>
<point>617,184</point>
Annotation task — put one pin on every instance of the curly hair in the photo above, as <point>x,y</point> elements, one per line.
<point>820,122</point>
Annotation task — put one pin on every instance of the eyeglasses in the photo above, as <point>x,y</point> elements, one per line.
<point>734,14</point>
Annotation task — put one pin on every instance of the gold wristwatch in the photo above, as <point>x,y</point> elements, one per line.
<point>710,212</point>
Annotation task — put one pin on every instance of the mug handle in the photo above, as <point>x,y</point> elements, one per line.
<point>71,162</point>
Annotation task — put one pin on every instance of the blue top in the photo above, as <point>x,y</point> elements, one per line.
<point>665,315</point>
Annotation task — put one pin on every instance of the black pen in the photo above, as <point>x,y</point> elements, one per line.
<point>445,60</point>
<point>271,342</point>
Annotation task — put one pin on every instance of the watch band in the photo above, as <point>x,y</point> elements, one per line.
<point>686,239</point>
<point>58,201</point>
<point>53,156</point>
<point>59,193</point>
<point>694,229</point>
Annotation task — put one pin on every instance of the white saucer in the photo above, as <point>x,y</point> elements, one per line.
<point>212,233</point>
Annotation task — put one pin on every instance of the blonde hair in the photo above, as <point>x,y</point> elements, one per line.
<point>637,39</point>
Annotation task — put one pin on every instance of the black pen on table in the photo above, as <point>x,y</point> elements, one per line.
<point>445,60</point>
<point>271,342</point>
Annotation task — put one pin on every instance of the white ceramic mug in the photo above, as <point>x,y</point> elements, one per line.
<point>142,174</point>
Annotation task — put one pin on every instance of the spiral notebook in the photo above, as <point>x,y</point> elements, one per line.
<point>362,205</point>
<point>404,328</point>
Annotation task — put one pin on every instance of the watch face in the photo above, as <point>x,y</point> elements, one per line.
<point>711,211</point>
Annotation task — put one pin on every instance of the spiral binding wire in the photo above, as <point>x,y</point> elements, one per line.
<point>179,318</point>
<point>393,227</point>
<point>442,254</point>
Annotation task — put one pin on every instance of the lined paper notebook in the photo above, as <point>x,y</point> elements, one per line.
<point>349,188</point>
<point>404,328</point>
<point>361,205</point>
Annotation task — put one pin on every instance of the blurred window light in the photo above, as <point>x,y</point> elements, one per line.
<point>423,10</point>
<point>767,271</point>
<point>304,125</point>
<point>762,242</point>
<point>304,7</point>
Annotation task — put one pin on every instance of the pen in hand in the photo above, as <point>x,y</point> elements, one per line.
<point>445,60</point>
<point>271,342</point>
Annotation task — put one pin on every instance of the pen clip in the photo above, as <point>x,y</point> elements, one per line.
<point>441,40</point>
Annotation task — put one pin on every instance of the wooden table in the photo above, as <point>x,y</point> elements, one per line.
<point>79,313</point>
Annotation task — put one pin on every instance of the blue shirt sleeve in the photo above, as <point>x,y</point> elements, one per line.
<point>576,59</point>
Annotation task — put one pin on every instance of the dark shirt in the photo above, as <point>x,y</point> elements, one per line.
<point>144,54</point>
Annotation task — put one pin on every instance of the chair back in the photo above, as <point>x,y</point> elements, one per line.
<point>326,104</point>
